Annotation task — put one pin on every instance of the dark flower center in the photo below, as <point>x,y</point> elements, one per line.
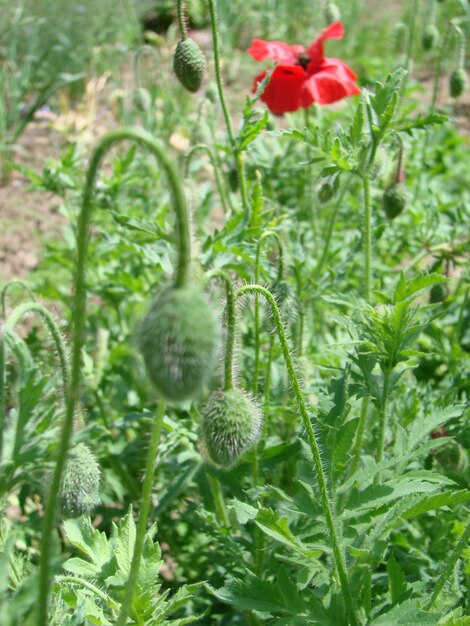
<point>303,59</point>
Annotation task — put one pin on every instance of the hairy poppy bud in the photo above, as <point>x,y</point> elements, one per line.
<point>332,13</point>
<point>178,341</point>
<point>438,293</point>
<point>189,64</point>
<point>394,200</point>
<point>430,37</point>
<point>231,425</point>
<point>452,457</point>
<point>80,486</point>
<point>458,82</point>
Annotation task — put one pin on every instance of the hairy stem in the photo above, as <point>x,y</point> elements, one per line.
<point>143,515</point>
<point>280,270</point>
<point>78,318</point>
<point>7,287</point>
<point>383,415</point>
<point>34,307</point>
<point>313,444</point>
<point>357,451</point>
<point>181,19</point>
<point>230,340</point>
<point>367,240</point>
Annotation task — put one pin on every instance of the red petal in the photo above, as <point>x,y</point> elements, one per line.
<point>315,50</point>
<point>333,81</point>
<point>276,50</point>
<point>286,91</point>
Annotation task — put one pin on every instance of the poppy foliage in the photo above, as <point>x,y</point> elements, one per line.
<point>303,76</point>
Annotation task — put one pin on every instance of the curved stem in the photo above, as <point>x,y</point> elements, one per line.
<point>143,515</point>
<point>78,318</point>
<point>149,50</point>
<point>220,187</point>
<point>34,307</point>
<point>230,341</point>
<point>181,19</point>
<point>367,239</point>
<point>313,444</point>
<point>280,272</point>
<point>7,286</point>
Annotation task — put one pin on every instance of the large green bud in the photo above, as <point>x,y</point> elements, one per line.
<point>394,200</point>
<point>189,64</point>
<point>430,37</point>
<point>452,457</point>
<point>80,487</point>
<point>458,82</point>
<point>178,341</point>
<point>231,425</point>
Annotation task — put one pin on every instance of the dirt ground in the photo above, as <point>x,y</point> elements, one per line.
<point>28,218</point>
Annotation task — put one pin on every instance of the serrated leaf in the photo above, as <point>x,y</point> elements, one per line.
<point>88,540</point>
<point>407,614</point>
<point>396,579</point>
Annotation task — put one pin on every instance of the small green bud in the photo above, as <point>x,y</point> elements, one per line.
<point>178,340</point>
<point>80,487</point>
<point>452,457</point>
<point>189,64</point>
<point>231,425</point>
<point>438,293</point>
<point>394,200</point>
<point>430,37</point>
<point>458,82</point>
<point>233,179</point>
<point>332,13</point>
<point>326,190</point>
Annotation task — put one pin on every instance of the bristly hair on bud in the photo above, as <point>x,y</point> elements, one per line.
<point>178,340</point>
<point>231,425</point>
<point>80,487</point>
<point>394,199</point>
<point>189,64</point>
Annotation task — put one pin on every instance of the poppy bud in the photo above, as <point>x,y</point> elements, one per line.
<point>438,293</point>
<point>326,190</point>
<point>452,457</point>
<point>189,64</point>
<point>430,37</point>
<point>332,13</point>
<point>233,179</point>
<point>231,425</point>
<point>458,82</point>
<point>80,486</point>
<point>394,200</point>
<point>399,36</point>
<point>178,341</point>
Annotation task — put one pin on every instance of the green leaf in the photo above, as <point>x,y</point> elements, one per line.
<point>406,614</point>
<point>277,528</point>
<point>396,579</point>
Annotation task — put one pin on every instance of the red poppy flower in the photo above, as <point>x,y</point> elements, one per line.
<point>301,76</point>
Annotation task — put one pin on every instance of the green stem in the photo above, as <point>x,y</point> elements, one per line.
<point>449,566</point>
<point>411,35</point>
<point>3,397</point>
<point>218,74</point>
<point>331,225</point>
<point>143,515</point>
<point>383,415</point>
<point>76,580</point>
<point>267,383</point>
<point>34,307</point>
<point>7,287</point>
<point>367,239</point>
<point>230,340</point>
<point>78,318</point>
<point>280,271</point>
<point>240,160</point>
<point>181,20</point>
<point>313,444</point>
<point>219,501</point>
<point>360,436</point>
<point>218,181</point>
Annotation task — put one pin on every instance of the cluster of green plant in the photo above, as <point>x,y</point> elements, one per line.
<point>290,376</point>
